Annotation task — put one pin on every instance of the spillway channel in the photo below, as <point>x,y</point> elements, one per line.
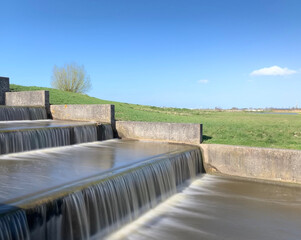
<point>89,190</point>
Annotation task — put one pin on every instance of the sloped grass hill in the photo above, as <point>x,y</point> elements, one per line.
<point>234,128</point>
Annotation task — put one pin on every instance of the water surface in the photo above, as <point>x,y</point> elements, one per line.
<point>36,124</point>
<point>215,207</point>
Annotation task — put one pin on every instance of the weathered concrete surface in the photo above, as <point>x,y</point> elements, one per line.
<point>172,132</point>
<point>102,113</point>
<point>27,98</point>
<point>252,162</point>
<point>4,87</point>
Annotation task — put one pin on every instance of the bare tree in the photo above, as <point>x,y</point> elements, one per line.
<point>71,77</point>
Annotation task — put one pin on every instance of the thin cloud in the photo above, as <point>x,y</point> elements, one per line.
<point>204,81</point>
<point>273,71</point>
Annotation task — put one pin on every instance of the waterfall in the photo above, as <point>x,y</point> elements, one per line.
<point>36,113</point>
<point>22,113</point>
<point>25,140</point>
<point>14,226</point>
<point>106,204</point>
<point>105,132</point>
<point>86,133</point>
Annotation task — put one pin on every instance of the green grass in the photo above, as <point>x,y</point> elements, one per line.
<point>235,128</point>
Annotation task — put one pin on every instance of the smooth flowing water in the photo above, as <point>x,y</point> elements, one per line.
<point>215,207</point>
<point>89,190</point>
<point>22,113</point>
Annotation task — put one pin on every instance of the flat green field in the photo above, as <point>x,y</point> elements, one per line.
<point>233,128</point>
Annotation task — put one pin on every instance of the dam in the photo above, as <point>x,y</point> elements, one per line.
<point>82,175</point>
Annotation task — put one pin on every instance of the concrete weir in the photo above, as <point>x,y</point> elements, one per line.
<point>67,198</point>
<point>83,186</point>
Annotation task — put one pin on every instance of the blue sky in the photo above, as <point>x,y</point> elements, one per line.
<point>190,53</point>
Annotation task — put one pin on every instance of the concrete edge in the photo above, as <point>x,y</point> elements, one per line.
<point>186,133</point>
<point>101,113</point>
<point>38,98</point>
<point>270,164</point>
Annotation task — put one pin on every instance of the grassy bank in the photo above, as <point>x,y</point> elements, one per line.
<point>235,128</point>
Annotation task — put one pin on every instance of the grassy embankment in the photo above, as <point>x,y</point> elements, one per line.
<point>235,128</point>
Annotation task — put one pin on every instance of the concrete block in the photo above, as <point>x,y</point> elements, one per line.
<point>4,87</point>
<point>101,113</point>
<point>27,98</point>
<point>253,162</point>
<point>172,132</point>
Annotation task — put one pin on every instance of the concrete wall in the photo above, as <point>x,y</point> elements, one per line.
<point>102,113</point>
<point>171,132</point>
<point>27,98</point>
<point>251,162</point>
<point>4,87</point>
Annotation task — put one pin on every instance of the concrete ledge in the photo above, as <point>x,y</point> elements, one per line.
<point>252,162</point>
<point>171,132</point>
<point>101,113</point>
<point>27,98</point>
<point>4,87</point>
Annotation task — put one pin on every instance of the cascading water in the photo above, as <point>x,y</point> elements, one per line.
<point>14,226</point>
<point>105,132</point>
<point>18,141</point>
<point>85,134</point>
<point>30,139</point>
<point>37,113</point>
<point>22,113</point>
<point>106,204</point>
